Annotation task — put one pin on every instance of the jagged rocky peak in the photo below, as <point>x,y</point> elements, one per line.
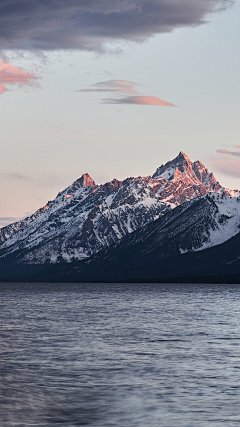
<point>84,218</point>
<point>84,181</point>
<point>202,173</point>
<point>182,165</point>
<point>182,162</point>
<point>167,171</point>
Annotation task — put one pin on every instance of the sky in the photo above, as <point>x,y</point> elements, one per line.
<point>114,88</point>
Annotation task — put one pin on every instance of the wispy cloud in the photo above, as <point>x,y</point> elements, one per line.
<point>232,153</point>
<point>15,177</point>
<point>6,220</point>
<point>40,181</point>
<point>116,86</point>
<point>138,100</point>
<point>125,87</point>
<point>229,167</point>
<point>108,73</point>
<point>81,24</point>
<point>225,164</point>
<point>11,75</point>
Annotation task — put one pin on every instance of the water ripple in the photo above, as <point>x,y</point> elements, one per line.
<point>129,355</point>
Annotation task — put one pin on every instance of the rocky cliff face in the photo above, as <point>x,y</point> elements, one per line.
<point>86,217</point>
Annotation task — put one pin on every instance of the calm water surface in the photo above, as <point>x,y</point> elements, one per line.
<point>119,355</point>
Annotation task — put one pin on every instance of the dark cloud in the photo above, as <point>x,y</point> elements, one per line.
<point>89,24</point>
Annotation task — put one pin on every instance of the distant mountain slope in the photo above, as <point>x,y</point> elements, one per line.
<point>198,238</point>
<point>11,229</point>
<point>86,218</point>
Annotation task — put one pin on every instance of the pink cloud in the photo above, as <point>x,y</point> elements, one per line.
<point>117,86</point>
<point>10,75</point>
<point>139,100</point>
<point>228,167</point>
<point>2,89</point>
<point>232,153</point>
<point>222,151</point>
<point>125,87</point>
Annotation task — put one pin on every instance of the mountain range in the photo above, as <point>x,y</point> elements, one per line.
<point>172,224</point>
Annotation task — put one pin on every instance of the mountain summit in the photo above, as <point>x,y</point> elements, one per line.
<point>85,180</point>
<point>183,180</point>
<point>86,217</point>
<point>196,172</point>
<point>181,162</point>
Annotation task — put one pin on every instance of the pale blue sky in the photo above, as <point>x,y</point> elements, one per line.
<point>53,134</point>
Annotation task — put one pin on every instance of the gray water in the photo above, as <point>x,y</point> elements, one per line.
<point>119,355</point>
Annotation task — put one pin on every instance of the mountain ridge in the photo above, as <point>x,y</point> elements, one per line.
<point>85,217</point>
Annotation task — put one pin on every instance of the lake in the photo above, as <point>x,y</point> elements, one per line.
<point>125,355</point>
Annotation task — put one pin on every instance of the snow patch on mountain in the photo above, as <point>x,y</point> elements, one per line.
<point>227,221</point>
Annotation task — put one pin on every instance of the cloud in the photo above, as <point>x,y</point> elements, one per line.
<point>90,24</point>
<point>232,153</point>
<point>108,73</point>
<point>2,89</point>
<point>139,100</point>
<point>6,220</point>
<point>40,181</point>
<point>10,75</point>
<point>117,86</point>
<point>228,167</point>
<point>125,87</point>
<point>15,177</point>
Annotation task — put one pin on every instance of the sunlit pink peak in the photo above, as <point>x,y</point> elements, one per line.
<point>86,180</point>
<point>181,168</point>
<point>181,162</point>
<point>183,155</point>
<point>182,159</point>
